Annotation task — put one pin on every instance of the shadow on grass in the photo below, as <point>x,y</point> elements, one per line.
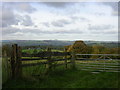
<point>69,78</point>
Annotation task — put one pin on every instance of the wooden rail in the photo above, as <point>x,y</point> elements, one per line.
<point>45,54</point>
<point>32,59</point>
<point>99,54</point>
<point>94,59</point>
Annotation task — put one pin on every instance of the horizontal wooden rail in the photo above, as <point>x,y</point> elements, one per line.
<point>99,65</point>
<point>31,59</point>
<point>100,68</point>
<point>58,59</point>
<point>46,54</point>
<point>94,59</point>
<point>99,54</point>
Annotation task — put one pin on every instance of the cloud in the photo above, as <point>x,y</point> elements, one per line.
<point>8,18</point>
<point>58,4</point>
<point>76,18</point>
<point>26,21</point>
<point>118,8</point>
<point>9,30</point>
<point>46,24</point>
<point>58,20</point>
<point>60,23</point>
<point>70,31</point>
<point>19,6</point>
<point>108,32</point>
<point>100,27</point>
<point>114,6</point>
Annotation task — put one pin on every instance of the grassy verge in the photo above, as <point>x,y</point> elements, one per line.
<point>68,79</point>
<point>61,78</point>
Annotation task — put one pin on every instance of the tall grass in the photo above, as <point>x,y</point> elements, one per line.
<point>59,77</point>
<point>69,79</point>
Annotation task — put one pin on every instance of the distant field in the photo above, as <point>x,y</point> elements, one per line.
<point>31,51</point>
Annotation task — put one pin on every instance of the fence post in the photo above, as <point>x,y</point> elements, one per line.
<point>49,65</point>
<point>104,62</point>
<point>13,54</point>
<point>73,59</point>
<point>19,68</point>
<point>65,57</point>
<point>15,62</point>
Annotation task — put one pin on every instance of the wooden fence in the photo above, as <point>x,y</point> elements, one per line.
<point>103,63</point>
<point>18,57</point>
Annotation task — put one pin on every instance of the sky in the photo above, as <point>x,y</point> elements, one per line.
<point>96,21</point>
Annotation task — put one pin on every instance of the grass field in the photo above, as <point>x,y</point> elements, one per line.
<point>31,51</point>
<point>62,78</point>
<point>68,79</point>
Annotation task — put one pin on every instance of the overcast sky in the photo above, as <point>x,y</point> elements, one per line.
<point>60,20</point>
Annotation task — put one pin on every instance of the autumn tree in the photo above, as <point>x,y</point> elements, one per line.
<point>78,47</point>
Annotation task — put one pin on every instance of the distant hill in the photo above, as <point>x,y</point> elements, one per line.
<point>37,42</point>
<point>110,44</point>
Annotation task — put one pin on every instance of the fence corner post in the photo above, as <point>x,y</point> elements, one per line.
<point>65,57</point>
<point>19,62</point>
<point>15,62</point>
<point>49,60</point>
<point>12,61</point>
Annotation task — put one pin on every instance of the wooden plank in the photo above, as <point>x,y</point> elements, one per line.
<point>100,68</point>
<point>33,64</point>
<point>99,54</point>
<point>98,65</point>
<point>86,59</point>
<point>60,53</point>
<point>32,59</point>
<point>45,54</point>
<point>59,59</point>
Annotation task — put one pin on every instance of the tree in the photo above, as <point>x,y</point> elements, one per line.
<point>78,47</point>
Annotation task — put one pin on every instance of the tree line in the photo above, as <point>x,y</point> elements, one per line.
<point>81,49</point>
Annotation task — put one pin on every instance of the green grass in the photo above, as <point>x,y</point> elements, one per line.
<point>62,78</point>
<point>68,79</point>
<point>5,69</point>
<point>31,51</point>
